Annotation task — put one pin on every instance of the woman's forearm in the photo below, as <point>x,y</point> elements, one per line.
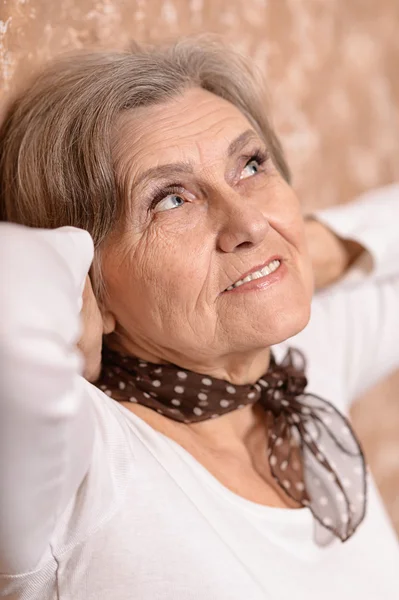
<point>46,424</point>
<point>369,222</point>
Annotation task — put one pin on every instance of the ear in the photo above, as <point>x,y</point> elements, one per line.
<point>109,322</point>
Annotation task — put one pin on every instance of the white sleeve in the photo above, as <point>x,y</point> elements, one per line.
<point>355,323</point>
<point>46,423</point>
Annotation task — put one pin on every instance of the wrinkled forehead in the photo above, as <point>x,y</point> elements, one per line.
<point>196,127</point>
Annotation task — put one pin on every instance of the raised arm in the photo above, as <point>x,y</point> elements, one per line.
<point>46,424</point>
<point>371,221</point>
<point>355,322</point>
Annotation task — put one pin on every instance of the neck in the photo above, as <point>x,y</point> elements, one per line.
<point>229,431</point>
<point>238,368</point>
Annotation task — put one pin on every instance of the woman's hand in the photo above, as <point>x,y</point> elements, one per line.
<point>330,255</point>
<point>90,343</point>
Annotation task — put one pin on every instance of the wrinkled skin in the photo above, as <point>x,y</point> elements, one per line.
<point>166,272</point>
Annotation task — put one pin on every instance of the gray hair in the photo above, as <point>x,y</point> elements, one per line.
<point>56,163</point>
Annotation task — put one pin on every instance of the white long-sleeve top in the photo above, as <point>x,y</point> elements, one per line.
<point>96,505</point>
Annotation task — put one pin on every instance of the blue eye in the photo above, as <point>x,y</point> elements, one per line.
<point>250,169</point>
<point>169,202</point>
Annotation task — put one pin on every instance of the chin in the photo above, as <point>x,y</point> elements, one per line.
<point>286,324</point>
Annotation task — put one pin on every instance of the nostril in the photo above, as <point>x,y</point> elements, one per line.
<point>244,245</point>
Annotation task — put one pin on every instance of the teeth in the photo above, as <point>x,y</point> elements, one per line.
<point>270,268</point>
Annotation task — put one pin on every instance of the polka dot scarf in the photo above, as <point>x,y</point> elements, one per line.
<point>313,453</point>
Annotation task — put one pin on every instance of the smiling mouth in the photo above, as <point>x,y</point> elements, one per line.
<point>263,272</point>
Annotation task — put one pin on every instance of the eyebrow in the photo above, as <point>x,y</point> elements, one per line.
<point>179,168</point>
<point>184,168</point>
<point>240,141</point>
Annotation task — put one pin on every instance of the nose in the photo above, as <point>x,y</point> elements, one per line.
<point>241,225</point>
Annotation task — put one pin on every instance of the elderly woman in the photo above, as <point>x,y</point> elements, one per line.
<point>200,464</point>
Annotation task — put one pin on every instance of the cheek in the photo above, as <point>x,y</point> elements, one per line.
<point>286,218</point>
<point>159,279</point>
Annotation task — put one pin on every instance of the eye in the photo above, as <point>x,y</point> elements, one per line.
<point>251,168</point>
<point>169,202</point>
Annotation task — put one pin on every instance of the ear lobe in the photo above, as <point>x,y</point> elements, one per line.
<point>109,322</point>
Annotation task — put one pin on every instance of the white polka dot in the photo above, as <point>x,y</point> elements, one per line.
<point>344,518</point>
<point>320,456</point>
<point>176,402</point>
<point>285,403</point>
<point>206,381</point>
<point>323,501</point>
<point>103,387</point>
<point>327,521</point>
<point>181,375</point>
<point>286,484</point>
<point>279,441</point>
<point>203,402</point>
<point>308,438</point>
<point>146,395</point>
<point>346,482</point>
<point>340,497</point>
<point>327,420</point>
<point>141,364</point>
<point>197,411</point>
<point>132,399</point>
<point>273,460</point>
<point>241,406</point>
<point>263,383</point>
<point>108,392</point>
<point>358,470</point>
<point>158,371</point>
<point>257,387</point>
<point>345,430</point>
<point>122,385</point>
<point>159,411</point>
<point>331,476</point>
<point>214,416</point>
<point>231,389</point>
<point>305,410</point>
<point>295,418</point>
<point>156,383</point>
<point>251,395</point>
<point>202,396</point>
<point>284,465</point>
<point>299,486</point>
<point>179,389</point>
<point>224,403</point>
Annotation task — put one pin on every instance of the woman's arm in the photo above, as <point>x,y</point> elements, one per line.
<point>370,222</point>
<point>46,424</point>
<point>355,322</point>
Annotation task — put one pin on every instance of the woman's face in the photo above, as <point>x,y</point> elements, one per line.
<point>207,206</point>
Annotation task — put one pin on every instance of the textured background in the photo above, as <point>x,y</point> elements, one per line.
<point>331,67</point>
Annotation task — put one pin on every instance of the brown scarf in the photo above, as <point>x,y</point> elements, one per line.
<point>313,452</point>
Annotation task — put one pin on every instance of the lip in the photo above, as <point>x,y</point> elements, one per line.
<point>264,281</point>
<point>258,268</point>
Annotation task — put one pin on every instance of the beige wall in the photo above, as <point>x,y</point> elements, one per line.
<point>332,68</point>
